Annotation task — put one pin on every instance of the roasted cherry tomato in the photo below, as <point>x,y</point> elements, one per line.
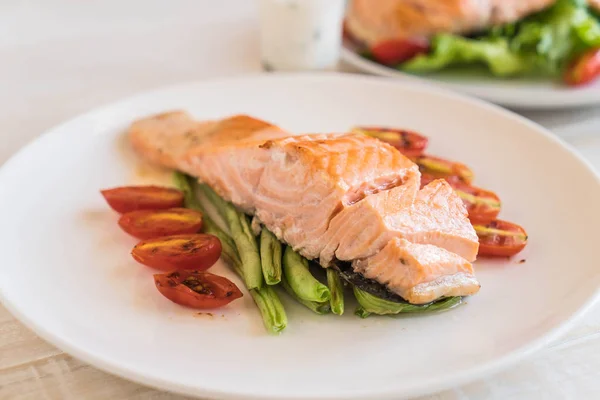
<point>500,238</point>
<point>408,142</point>
<point>394,52</point>
<point>132,198</point>
<point>197,289</point>
<point>147,224</point>
<point>179,252</point>
<point>482,205</point>
<point>426,179</point>
<point>584,69</point>
<point>440,168</point>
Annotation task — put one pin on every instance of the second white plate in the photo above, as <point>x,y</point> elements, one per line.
<point>515,93</point>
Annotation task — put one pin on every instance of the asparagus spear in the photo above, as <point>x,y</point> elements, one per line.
<point>302,283</point>
<point>242,235</point>
<point>318,308</point>
<point>270,256</point>
<point>337,291</point>
<point>370,304</point>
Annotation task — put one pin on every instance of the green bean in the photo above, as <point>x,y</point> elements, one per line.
<point>220,205</point>
<point>186,184</point>
<point>301,281</point>
<point>271,309</point>
<point>318,308</point>
<point>242,235</point>
<point>248,249</point>
<point>229,252</point>
<point>267,300</point>
<point>337,291</point>
<point>370,304</point>
<point>270,257</point>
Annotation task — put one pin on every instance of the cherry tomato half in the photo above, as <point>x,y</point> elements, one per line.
<point>500,238</point>
<point>179,252</point>
<point>482,205</point>
<point>584,69</point>
<point>147,224</point>
<point>394,52</point>
<point>426,179</point>
<point>441,168</point>
<point>408,142</point>
<point>197,289</point>
<point>132,198</point>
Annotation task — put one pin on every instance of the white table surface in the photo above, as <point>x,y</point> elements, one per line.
<point>59,58</point>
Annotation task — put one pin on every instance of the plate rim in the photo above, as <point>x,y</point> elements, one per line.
<point>111,366</point>
<point>366,66</point>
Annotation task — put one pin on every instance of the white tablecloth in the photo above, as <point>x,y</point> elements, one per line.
<point>59,58</point>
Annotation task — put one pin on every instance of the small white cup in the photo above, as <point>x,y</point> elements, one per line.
<point>300,35</point>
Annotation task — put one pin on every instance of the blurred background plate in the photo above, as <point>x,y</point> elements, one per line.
<point>514,93</point>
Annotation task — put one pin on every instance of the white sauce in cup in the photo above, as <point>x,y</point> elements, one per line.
<point>301,34</point>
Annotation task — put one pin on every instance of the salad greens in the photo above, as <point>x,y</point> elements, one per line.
<point>448,50</point>
<point>543,43</point>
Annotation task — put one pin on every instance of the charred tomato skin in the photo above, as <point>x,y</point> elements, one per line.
<point>500,238</point>
<point>148,224</point>
<point>482,205</point>
<point>584,69</point>
<point>396,51</point>
<point>179,252</point>
<point>442,168</point>
<point>197,289</point>
<point>132,198</point>
<point>409,143</point>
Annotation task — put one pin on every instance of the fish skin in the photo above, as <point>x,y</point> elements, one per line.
<point>419,273</point>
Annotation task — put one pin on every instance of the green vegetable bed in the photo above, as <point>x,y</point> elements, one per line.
<point>264,266</point>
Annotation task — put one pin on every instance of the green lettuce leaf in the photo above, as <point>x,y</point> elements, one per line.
<point>450,50</point>
<point>542,43</point>
<point>587,29</point>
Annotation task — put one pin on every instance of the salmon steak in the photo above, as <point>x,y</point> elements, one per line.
<point>333,197</point>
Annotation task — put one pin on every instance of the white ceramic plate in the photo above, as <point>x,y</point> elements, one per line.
<point>517,93</point>
<point>66,270</point>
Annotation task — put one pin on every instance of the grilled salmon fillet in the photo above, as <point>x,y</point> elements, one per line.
<point>435,215</point>
<point>331,197</point>
<point>295,186</point>
<point>164,138</point>
<point>419,273</point>
<point>372,22</point>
